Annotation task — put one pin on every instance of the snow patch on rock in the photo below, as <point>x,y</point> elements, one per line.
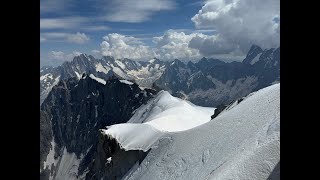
<point>97,79</point>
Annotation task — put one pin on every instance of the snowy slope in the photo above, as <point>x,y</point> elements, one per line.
<point>241,143</point>
<point>160,115</point>
<point>168,113</point>
<point>134,136</point>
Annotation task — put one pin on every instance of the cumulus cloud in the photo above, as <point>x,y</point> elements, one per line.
<point>238,25</point>
<point>231,27</point>
<point>135,11</point>
<point>171,45</point>
<point>212,45</point>
<point>174,45</point>
<point>120,46</point>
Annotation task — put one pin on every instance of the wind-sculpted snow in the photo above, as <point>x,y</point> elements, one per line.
<point>243,142</point>
<point>134,136</point>
<point>152,121</point>
<point>168,113</point>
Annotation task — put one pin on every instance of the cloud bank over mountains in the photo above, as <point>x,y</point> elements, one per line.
<point>224,29</point>
<point>237,23</point>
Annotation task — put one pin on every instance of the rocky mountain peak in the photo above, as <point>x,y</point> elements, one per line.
<point>252,53</point>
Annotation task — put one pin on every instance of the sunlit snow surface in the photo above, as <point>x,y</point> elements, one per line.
<point>97,79</point>
<point>241,143</point>
<point>160,115</point>
<point>101,68</point>
<point>126,82</point>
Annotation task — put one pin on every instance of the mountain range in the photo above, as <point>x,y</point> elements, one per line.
<point>122,119</point>
<point>208,82</point>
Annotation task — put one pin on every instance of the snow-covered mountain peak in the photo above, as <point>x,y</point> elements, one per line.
<point>252,55</point>
<point>160,115</point>
<point>168,113</point>
<point>242,143</point>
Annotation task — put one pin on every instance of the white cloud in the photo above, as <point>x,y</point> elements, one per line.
<point>212,45</point>
<point>120,46</point>
<point>54,35</point>
<point>171,45</point>
<point>96,52</point>
<point>56,58</point>
<point>238,25</point>
<point>57,55</point>
<point>62,23</point>
<point>60,56</point>
<point>135,11</point>
<point>233,25</point>
<point>174,45</point>
<point>96,28</point>
<point>78,38</point>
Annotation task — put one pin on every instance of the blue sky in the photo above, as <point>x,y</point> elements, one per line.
<point>166,29</point>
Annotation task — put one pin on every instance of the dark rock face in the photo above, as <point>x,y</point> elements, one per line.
<point>275,174</point>
<point>78,109</point>
<point>45,136</point>
<point>218,110</point>
<point>223,107</point>
<point>253,52</point>
<point>112,162</point>
<point>174,78</point>
<point>45,174</point>
<point>79,65</point>
<point>267,69</point>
